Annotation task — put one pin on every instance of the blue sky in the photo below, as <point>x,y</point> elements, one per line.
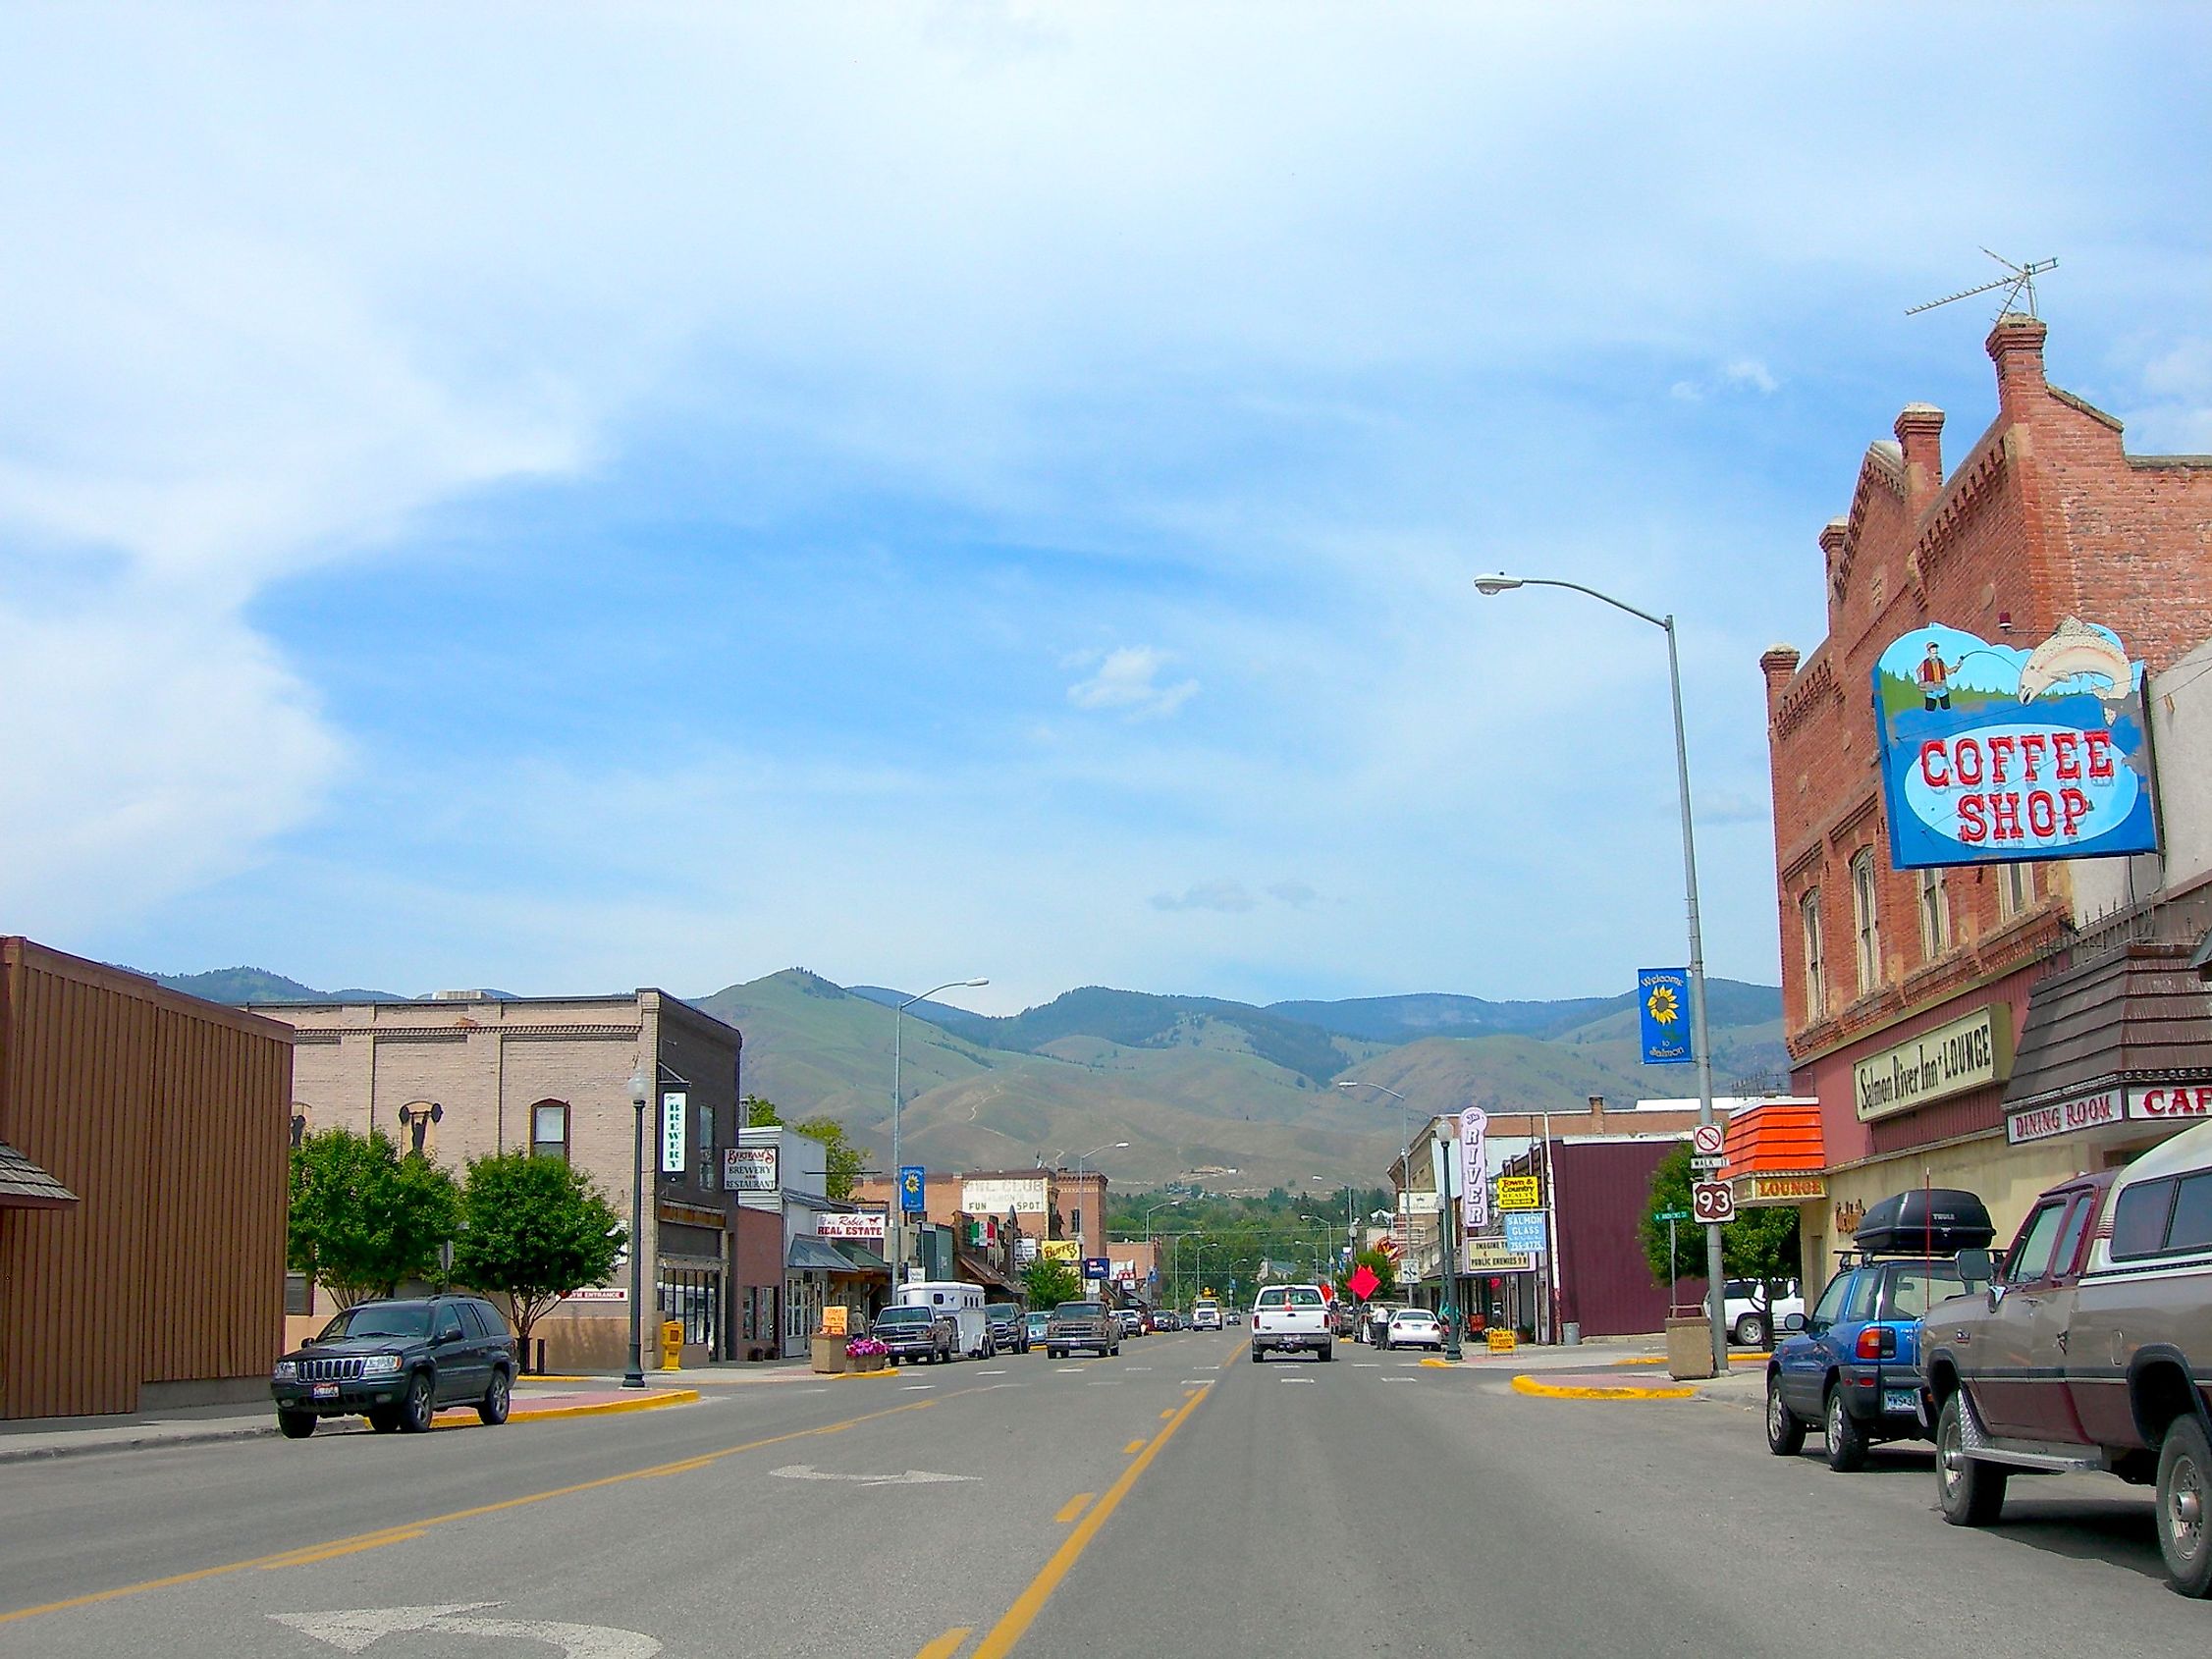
<point>573,497</point>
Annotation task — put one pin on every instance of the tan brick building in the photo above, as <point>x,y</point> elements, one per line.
<point>2046,517</point>
<point>462,1075</point>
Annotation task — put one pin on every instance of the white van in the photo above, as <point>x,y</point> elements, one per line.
<point>959,1302</point>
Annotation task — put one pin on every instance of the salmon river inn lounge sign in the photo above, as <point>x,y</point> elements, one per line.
<point>1965,1053</point>
<point>1993,754</point>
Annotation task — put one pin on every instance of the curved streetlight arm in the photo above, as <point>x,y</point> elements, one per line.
<point>1493,586</point>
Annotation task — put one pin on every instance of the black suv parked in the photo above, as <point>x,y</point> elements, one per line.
<point>396,1362</point>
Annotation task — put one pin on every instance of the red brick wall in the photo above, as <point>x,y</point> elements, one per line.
<point>2046,517</point>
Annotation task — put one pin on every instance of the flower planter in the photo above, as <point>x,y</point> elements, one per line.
<point>866,1362</point>
<point>828,1355</point>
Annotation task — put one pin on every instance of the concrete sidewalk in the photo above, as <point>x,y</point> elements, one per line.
<point>534,1400</point>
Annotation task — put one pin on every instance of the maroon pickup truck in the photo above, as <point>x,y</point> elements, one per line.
<point>2091,1348</point>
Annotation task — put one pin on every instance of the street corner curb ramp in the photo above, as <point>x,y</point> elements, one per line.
<point>1598,1385</point>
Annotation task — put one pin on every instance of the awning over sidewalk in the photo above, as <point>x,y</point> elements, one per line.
<point>26,1186</point>
<point>815,1255</point>
<point>1775,1154</point>
<point>860,1259</point>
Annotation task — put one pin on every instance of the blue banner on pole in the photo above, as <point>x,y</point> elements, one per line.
<point>910,1190</point>
<point>1662,1015</point>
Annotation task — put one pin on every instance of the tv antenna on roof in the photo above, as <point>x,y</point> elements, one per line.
<point>2020,285</point>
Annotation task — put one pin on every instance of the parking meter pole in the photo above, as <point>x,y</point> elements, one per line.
<point>1670,1267</point>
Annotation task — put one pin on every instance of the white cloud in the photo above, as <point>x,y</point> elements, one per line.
<point>1225,895</point>
<point>1743,374</point>
<point>1128,680</point>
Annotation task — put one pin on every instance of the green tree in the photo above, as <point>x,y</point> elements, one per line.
<point>534,1229</point>
<point>846,1161</point>
<point>760,1113</point>
<point>362,1219</point>
<point>1760,1244</point>
<point>1048,1284</point>
<point>845,1158</point>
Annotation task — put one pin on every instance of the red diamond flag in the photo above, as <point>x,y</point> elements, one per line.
<point>1363,1281</point>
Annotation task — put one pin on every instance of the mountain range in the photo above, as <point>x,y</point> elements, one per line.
<point>1228,1094</point>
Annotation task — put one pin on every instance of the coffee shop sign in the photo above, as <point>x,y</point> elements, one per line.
<point>1965,1053</point>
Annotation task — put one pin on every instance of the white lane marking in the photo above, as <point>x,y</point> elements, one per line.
<point>912,1477</point>
<point>1136,1367</point>
<point>353,1631</point>
<point>1398,1379</point>
<point>1113,1383</point>
<point>915,1387</point>
<point>1065,1369</point>
<point>990,1373</point>
<point>1306,1379</point>
<point>1366,1364</point>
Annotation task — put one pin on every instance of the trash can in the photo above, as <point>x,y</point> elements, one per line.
<point>1571,1333</point>
<point>1690,1349</point>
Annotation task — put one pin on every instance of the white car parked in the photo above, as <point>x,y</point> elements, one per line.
<point>1746,1315</point>
<point>1414,1327</point>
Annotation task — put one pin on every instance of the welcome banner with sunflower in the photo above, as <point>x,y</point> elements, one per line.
<point>1662,1012</point>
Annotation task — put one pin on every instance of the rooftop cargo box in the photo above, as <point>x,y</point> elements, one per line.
<point>1925,1221</point>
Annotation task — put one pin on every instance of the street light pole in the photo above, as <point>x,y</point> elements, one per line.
<point>1701,1046</point>
<point>1082,1234</point>
<point>898,1190</point>
<point>640,1091</point>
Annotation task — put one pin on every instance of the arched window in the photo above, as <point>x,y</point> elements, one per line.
<point>1867,922</point>
<point>548,1129</point>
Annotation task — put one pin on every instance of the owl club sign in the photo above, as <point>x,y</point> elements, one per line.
<point>1996,753</point>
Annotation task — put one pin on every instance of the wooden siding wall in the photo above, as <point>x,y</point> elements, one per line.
<point>170,1119</point>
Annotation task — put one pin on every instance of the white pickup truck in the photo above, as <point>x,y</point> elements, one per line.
<point>1287,1318</point>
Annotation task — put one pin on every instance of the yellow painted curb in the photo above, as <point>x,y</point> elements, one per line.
<point>608,1408</point>
<point>1526,1384</point>
<point>1445,1364</point>
<point>848,1377</point>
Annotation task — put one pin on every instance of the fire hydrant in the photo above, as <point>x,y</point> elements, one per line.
<point>672,1343</point>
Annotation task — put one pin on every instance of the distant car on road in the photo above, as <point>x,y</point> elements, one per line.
<point>1287,1318</point>
<point>1082,1324</point>
<point>1009,1332</point>
<point>1032,1326</point>
<point>1414,1327</point>
<point>914,1332</point>
<point>1205,1316</point>
<point>396,1362</point>
<point>1132,1320</point>
<point>1374,1319</point>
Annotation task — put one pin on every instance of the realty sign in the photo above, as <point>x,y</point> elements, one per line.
<point>1991,754</point>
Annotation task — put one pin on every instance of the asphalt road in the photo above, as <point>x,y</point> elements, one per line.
<point>1175,1500</point>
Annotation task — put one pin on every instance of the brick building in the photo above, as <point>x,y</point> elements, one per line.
<point>464,1074</point>
<point>2046,518</point>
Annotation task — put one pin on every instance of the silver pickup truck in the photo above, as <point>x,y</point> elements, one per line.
<point>2091,1348</point>
<point>1288,1318</point>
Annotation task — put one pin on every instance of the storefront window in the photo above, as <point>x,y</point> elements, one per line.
<point>1867,922</point>
<point>1815,969</point>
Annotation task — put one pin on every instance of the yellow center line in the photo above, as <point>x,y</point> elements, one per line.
<point>946,1644</point>
<point>1136,1446</point>
<point>1073,1507</point>
<point>391,1535</point>
<point>335,1550</point>
<point>1031,1602</point>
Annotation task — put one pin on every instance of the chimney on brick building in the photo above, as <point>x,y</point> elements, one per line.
<point>1779,663</point>
<point>1598,1114</point>
<point>2016,347</point>
<point>1919,434</point>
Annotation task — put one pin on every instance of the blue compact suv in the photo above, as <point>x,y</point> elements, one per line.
<point>1852,1365</point>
